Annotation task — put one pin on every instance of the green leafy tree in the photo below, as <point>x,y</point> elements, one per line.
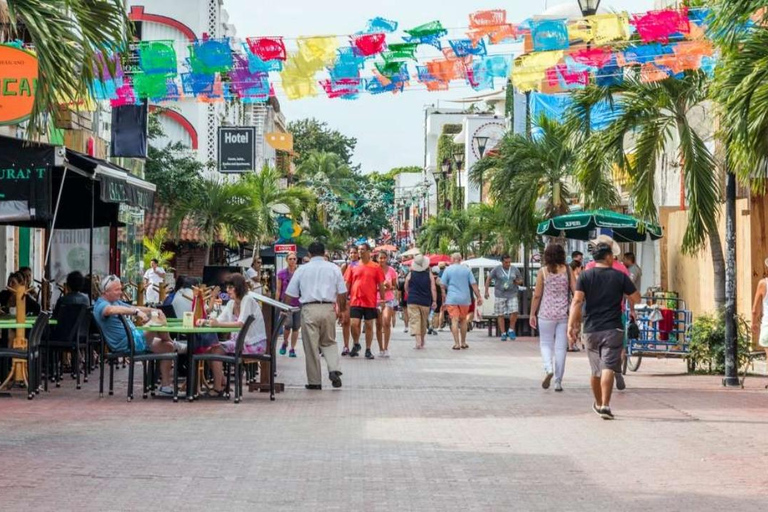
<point>225,213</point>
<point>68,36</point>
<point>313,136</point>
<point>171,168</point>
<point>267,195</point>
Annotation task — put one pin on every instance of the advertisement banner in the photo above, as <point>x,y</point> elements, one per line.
<point>237,149</point>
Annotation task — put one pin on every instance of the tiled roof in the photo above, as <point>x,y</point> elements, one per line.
<point>160,217</point>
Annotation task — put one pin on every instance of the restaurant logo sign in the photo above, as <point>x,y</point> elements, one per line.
<point>18,84</point>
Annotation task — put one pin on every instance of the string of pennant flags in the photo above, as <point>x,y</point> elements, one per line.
<point>557,55</point>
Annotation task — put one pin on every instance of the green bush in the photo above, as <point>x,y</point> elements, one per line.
<point>707,346</point>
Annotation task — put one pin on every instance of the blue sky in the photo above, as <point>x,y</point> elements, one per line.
<point>389,128</point>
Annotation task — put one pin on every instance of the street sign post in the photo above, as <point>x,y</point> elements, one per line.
<point>237,149</point>
<point>284,248</point>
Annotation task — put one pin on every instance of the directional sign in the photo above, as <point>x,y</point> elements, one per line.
<point>285,248</point>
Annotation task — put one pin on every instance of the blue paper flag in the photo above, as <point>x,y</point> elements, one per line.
<point>379,24</point>
<point>549,35</point>
<point>465,47</point>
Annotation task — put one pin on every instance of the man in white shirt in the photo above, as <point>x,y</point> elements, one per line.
<point>153,276</point>
<point>319,285</point>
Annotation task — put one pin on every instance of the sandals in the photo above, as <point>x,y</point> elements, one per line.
<point>465,346</point>
<point>212,393</point>
<point>456,348</point>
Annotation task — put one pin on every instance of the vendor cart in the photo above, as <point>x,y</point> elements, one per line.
<point>664,325</point>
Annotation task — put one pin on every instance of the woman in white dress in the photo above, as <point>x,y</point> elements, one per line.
<point>760,314</point>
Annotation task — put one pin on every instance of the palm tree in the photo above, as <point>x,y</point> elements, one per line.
<point>225,212</point>
<point>267,195</point>
<point>530,178</point>
<point>453,230</point>
<point>68,37</point>
<point>742,86</point>
<point>153,249</point>
<point>327,169</point>
<point>653,115</point>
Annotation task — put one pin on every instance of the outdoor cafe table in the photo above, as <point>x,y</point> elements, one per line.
<point>191,332</point>
<point>18,372</point>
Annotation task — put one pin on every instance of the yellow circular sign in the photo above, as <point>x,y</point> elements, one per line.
<point>18,84</point>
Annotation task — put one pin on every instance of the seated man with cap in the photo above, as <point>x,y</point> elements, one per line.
<point>106,310</point>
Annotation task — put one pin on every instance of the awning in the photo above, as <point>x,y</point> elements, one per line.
<point>32,176</point>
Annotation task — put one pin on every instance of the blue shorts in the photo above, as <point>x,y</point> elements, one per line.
<point>139,341</point>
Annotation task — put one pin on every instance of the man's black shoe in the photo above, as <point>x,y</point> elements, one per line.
<point>620,384</point>
<point>355,351</point>
<point>315,387</point>
<point>598,410</point>
<point>335,379</point>
<point>606,413</point>
<point>368,354</point>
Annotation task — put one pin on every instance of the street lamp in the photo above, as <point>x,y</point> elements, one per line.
<point>482,144</point>
<point>458,157</point>
<point>444,176</point>
<point>589,7</point>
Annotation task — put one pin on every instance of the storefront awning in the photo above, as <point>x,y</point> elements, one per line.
<point>34,176</point>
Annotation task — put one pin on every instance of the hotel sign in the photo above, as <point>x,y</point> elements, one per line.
<point>18,84</point>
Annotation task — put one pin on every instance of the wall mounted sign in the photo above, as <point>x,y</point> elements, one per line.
<point>18,84</point>
<point>237,149</point>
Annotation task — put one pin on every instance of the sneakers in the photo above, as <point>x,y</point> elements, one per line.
<point>558,386</point>
<point>368,354</point>
<point>165,391</point>
<point>292,353</point>
<point>345,352</point>
<point>355,350</point>
<point>335,379</point>
<point>313,387</point>
<point>384,354</point>
<point>603,412</point>
<point>547,380</point>
<point>504,337</point>
<point>511,335</point>
<point>405,329</point>
<point>620,384</point>
<point>283,348</point>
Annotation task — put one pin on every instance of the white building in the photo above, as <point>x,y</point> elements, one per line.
<point>435,119</point>
<point>192,122</point>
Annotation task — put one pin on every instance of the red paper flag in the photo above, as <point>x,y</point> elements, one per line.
<point>267,48</point>
<point>370,44</point>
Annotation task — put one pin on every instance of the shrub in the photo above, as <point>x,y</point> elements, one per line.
<point>707,346</point>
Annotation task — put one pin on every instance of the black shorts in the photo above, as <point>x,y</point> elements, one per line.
<point>363,313</point>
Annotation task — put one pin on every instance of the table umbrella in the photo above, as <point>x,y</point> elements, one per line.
<point>411,252</point>
<point>579,225</point>
<point>386,248</point>
<point>434,259</point>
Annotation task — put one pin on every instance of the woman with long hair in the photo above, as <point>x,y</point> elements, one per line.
<point>549,313</point>
<point>237,310</point>
<point>387,309</point>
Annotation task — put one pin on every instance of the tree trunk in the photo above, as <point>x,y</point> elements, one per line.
<point>731,326</point>
<point>718,266</point>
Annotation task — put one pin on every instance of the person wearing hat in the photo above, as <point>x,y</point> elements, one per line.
<point>601,291</point>
<point>422,296</point>
<point>760,314</point>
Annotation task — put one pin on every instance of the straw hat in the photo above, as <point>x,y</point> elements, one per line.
<point>605,239</point>
<point>420,263</point>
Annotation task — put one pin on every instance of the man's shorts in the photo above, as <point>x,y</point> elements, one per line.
<point>292,321</point>
<point>418,317</point>
<point>363,313</point>
<point>457,311</point>
<point>604,350</point>
<point>505,306</point>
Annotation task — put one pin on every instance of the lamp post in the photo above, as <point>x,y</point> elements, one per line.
<point>444,174</point>
<point>589,7</point>
<point>482,145</point>
<point>458,158</point>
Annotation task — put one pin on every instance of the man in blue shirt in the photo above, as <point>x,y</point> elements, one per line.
<point>458,285</point>
<point>105,311</point>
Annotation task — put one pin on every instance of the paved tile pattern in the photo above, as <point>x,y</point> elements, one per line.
<point>425,430</point>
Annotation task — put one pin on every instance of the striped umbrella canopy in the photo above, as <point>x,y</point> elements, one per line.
<point>581,226</point>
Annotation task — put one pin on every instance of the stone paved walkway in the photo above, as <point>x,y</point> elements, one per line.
<point>428,430</point>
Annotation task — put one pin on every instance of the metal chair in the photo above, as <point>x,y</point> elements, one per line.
<point>67,336</point>
<point>236,360</point>
<point>31,354</point>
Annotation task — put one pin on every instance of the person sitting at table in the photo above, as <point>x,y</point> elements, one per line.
<point>237,310</point>
<point>73,294</point>
<point>8,297</point>
<point>105,311</point>
<point>180,281</point>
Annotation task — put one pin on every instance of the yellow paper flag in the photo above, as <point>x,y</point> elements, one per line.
<point>318,51</point>
<point>610,27</point>
<point>281,141</point>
